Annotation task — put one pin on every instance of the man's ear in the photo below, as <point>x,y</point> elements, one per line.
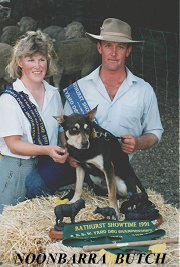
<point>128,52</point>
<point>60,118</point>
<point>91,114</point>
<point>99,47</point>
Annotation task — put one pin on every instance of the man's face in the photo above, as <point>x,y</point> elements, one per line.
<point>113,54</point>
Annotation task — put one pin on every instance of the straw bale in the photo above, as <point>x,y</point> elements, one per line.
<point>24,228</point>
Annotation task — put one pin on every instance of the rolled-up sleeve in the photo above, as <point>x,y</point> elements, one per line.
<point>151,122</point>
<point>10,121</point>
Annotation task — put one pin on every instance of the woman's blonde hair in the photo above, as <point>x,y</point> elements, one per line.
<point>30,43</point>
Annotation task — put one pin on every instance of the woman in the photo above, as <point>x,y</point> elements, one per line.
<point>27,126</point>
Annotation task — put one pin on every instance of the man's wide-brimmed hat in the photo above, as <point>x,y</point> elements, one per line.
<point>114,30</point>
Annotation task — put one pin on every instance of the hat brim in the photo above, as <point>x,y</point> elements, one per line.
<point>112,38</point>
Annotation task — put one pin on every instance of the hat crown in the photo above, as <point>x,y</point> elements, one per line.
<point>116,26</point>
<point>114,30</point>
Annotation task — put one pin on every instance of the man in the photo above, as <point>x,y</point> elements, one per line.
<point>127,105</point>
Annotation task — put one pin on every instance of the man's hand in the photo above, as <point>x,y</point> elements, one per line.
<point>72,162</point>
<point>129,144</point>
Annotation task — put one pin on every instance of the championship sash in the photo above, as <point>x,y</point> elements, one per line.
<point>38,130</point>
<point>76,99</point>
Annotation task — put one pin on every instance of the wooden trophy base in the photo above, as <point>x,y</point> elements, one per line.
<point>55,234</point>
<point>159,220</point>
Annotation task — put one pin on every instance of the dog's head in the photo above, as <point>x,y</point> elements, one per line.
<point>77,128</point>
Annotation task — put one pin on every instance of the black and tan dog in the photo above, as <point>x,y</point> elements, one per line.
<point>99,153</point>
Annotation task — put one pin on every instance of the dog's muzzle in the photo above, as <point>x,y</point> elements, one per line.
<point>85,144</point>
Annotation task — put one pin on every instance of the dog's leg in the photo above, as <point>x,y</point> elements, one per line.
<point>121,187</point>
<point>111,186</point>
<point>135,179</point>
<point>80,174</point>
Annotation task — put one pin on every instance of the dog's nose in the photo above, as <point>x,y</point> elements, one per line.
<point>85,144</point>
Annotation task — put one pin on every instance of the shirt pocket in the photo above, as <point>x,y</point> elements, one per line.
<point>129,119</point>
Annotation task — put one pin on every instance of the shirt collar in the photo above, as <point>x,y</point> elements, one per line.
<point>49,91</point>
<point>19,86</point>
<point>93,75</point>
<point>130,79</point>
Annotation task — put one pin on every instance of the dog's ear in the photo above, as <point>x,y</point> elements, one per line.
<point>91,114</point>
<point>60,118</point>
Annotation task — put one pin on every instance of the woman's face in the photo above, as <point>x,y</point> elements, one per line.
<point>33,67</point>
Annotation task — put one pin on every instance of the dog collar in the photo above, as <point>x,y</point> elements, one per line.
<point>105,134</point>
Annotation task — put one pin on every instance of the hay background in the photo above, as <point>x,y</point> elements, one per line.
<point>24,228</point>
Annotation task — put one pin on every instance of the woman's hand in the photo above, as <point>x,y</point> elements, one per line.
<point>58,154</point>
<point>19,147</point>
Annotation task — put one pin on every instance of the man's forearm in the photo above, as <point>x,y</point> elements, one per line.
<point>146,141</point>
